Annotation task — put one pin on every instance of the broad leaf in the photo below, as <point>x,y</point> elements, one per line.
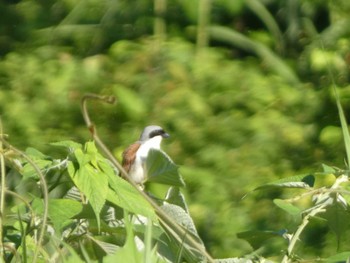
<point>89,179</point>
<point>128,198</point>
<point>174,196</point>
<point>298,181</point>
<point>340,257</point>
<point>328,169</point>
<point>338,219</point>
<point>288,207</point>
<point>72,146</point>
<point>61,211</point>
<point>180,244</point>
<point>28,170</point>
<point>35,154</point>
<point>181,217</point>
<point>258,238</point>
<point>161,169</point>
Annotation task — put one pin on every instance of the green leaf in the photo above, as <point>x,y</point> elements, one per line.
<point>181,217</point>
<point>174,196</point>
<point>126,196</point>
<point>61,211</point>
<point>340,257</point>
<point>298,181</point>
<point>72,146</point>
<point>129,252</point>
<point>328,169</point>
<point>288,207</point>
<point>28,170</point>
<point>89,179</point>
<point>338,218</point>
<point>258,238</point>
<point>162,170</point>
<point>35,154</point>
<point>179,243</point>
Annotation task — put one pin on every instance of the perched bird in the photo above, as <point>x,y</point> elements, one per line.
<point>134,157</point>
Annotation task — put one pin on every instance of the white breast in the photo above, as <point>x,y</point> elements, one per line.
<point>138,169</point>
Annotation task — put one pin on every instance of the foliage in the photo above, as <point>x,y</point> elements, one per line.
<point>90,211</point>
<point>252,106</point>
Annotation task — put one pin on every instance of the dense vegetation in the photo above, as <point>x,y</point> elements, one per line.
<point>245,88</point>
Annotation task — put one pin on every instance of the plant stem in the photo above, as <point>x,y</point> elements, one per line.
<point>203,23</point>
<point>2,195</point>
<point>159,22</point>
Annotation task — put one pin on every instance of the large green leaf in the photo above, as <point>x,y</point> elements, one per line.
<point>161,169</point>
<point>126,196</point>
<point>182,248</point>
<point>258,238</point>
<point>61,211</point>
<point>89,178</point>
<point>298,181</point>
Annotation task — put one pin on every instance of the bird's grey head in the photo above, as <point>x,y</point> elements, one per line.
<point>152,131</point>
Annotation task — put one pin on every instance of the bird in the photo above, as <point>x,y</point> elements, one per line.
<point>134,157</point>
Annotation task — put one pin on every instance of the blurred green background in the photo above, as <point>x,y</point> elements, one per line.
<point>243,87</point>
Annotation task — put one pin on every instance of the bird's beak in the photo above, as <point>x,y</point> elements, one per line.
<point>165,135</point>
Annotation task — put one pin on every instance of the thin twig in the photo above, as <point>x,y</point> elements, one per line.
<point>178,231</point>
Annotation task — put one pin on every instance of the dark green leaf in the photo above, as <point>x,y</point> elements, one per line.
<point>28,170</point>
<point>258,238</point>
<point>338,219</point>
<point>162,170</point>
<point>298,181</point>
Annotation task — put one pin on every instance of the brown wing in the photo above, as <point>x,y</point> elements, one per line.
<point>129,156</point>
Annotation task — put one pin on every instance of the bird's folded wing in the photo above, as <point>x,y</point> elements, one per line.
<point>129,156</point>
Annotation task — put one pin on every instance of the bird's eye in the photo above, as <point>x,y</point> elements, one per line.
<point>156,133</point>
